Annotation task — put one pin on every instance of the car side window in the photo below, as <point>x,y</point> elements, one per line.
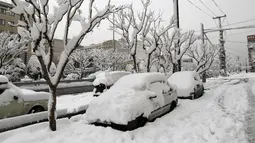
<point>3,87</point>
<point>158,87</point>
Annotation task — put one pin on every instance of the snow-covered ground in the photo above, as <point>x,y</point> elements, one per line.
<point>74,102</point>
<point>220,116</point>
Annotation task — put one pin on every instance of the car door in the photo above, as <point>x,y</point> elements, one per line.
<point>11,104</point>
<point>162,99</point>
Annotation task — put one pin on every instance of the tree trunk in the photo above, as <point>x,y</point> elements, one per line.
<point>204,77</point>
<point>179,67</point>
<point>148,62</point>
<point>52,108</point>
<point>175,67</point>
<point>134,62</point>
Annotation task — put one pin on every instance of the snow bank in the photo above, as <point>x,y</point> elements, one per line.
<point>74,103</point>
<point>30,95</point>
<point>121,107</point>
<point>184,82</point>
<point>3,79</point>
<point>26,119</point>
<point>126,99</point>
<point>109,78</point>
<point>139,81</point>
<point>196,121</point>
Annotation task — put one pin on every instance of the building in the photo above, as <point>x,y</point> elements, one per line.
<point>7,18</point>
<point>251,52</point>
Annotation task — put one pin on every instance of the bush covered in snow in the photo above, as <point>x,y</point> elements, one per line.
<point>72,76</point>
<point>34,69</point>
<point>15,71</point>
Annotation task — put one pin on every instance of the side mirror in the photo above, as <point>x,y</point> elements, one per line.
<point>15,97</point>
<point>152,97</point>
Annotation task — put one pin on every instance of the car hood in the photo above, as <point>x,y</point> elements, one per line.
<point>30,95</point>
<point>121,107</point>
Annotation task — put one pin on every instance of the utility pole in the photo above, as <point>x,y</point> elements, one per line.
<point>203,46</point>
<point>177,46</point>
<point>222,55</point>
<point>113,32</point>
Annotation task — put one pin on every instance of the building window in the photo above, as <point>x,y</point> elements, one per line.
<point>2,10</point>
<point>11,23</point>
<point>2,22</point>
<point>11,13</point>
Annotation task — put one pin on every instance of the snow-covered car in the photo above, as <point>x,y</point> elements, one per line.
<point>15,101</point>
<point>106,79</point>
<point>132,101</point>
<point>188,84</point>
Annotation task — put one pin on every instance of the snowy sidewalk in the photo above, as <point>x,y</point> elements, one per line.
<point>218,116</point>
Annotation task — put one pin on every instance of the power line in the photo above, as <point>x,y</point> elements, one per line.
<point>241,22</point>
<point>237,42</point>
<point>199,8</point>
<point>218,7</point>
<point>208,8</point>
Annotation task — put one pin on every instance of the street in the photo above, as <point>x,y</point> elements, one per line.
<point>224,114</point>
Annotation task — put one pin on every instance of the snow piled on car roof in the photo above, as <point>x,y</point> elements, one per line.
<point>109,78</point>
<point>184,82</point>
<point>139,81</point>
<point>3,79</point>
<point>127,99</point>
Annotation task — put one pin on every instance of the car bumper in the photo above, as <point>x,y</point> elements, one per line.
<point>131,125</point>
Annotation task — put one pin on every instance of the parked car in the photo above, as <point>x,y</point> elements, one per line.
<point>188,84</point>
<point>15,101</point>
<point>132,101</point>
<point>106,79</point>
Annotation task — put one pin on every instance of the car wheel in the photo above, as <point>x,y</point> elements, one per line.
<point>173,105</point>
<point>141,121</point>
<point>36,109</point>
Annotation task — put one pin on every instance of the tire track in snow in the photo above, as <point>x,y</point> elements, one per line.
<point>250,115</point>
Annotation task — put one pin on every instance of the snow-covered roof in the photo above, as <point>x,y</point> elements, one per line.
<point>185,82</point>
<point>139,81</point>
<point>3,79</point>
<point>109,78</point>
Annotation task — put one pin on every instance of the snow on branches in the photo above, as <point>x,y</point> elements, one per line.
<point>40,26</point>
<point>11,45</point>
<point>170,52</point>
<point>152,34</point>
<point>203,56</point>
<point>129,25</point>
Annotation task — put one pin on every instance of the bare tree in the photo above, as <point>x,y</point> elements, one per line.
<point>129,25</point>
<point>152,35</point>
<point>10,47</point>
<point>81,57</point>
<point>40,26</point>
<point>110,59</point>
<point>170,51</point>
<point>203,56</point>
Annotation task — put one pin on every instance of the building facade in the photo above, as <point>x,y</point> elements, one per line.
<point>251,52</point>
<point>8,18</point>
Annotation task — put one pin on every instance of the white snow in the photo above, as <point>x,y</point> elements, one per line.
<point>109,78</point>
<point>126,99</point>
<point>216,117</point>
<point>184,82</point>
<point>30,95</point>
<point>139,81</point>
<point>121,106</point>
<point>74,103</point>
<point>3,79</point>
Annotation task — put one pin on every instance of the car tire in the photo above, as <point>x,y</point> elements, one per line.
<point>36,109</point>
<point>173,105</point>
<point>141,121</point>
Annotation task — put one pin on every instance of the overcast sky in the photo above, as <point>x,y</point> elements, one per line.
<point>190,18</point>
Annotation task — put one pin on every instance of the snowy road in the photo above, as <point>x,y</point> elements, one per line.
<point>221,115</point>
